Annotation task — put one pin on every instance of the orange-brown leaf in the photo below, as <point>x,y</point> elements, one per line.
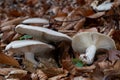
<point>4,59</point>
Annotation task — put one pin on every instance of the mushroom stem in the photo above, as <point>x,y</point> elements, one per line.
<point>30,57</point>
<point>89,56</point>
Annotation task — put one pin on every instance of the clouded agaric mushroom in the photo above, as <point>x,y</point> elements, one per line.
<point>36,20</point>
<point>42,34</point>
<point>89,42</point>
<point>29,48</point>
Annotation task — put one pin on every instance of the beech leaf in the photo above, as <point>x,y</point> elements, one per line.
<point>4,59</point>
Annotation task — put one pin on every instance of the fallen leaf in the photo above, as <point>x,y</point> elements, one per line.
<point>96,15</point>
<point>5,71</point>
<point>79,24</point>
<point>114,72</point>
<point>7,28</point>
<point>60,76</point>
<point>4,59</point>
<point>7,36</point>
<point>115,36</point>
<point>14,21</point>
<point>41,75</point>
<point>113,55</point>
<point>89,30</point>
<point>17,73</point>
<point>31,2</point>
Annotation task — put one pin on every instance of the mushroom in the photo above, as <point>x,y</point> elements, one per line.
<point>42,34</point>
<point>29,48</point>
<point>89,42</point>
<point>105,6</point>
<point>36,20</point>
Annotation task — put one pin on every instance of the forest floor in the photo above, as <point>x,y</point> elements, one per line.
<point>68,17</point>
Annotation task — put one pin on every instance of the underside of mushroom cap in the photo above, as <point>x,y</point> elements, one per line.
<point>81,41</point>
<point>42,34</point>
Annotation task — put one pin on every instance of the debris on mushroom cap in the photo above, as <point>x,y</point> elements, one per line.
<point>89,42</point>
<point>36,20</point>
<point>29,47</point>
<point>42,34</point>
<point>84,39</point>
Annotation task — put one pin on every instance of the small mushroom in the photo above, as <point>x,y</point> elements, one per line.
<point>105,6</point>
<point>89,42</point>
<point>36,20</point>
<point>42,34</point>
<point>29,48</point>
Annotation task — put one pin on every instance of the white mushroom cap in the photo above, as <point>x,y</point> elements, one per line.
<point>36,20</point>
<point>42,34</point>
<point>29,47</point>
<point>89,42</point>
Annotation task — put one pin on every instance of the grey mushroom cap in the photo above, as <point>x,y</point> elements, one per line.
<point>33,46</point>
<point>89,42</point>
<point>83,40</point>
<point>42,34</point>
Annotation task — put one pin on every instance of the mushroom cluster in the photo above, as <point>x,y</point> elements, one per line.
<point>40,43</point>
<point>83,42</point>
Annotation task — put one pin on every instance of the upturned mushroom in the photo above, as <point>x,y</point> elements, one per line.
<point>29,48</point>
<point>89,42</point>
<point>42,34</point>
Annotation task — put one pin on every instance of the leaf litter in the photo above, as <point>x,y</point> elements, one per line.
<point>68,17</point>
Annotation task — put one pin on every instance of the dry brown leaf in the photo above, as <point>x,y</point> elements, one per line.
<point>104,65</point>
<point>115,35</point>
<point>81,70</point>
<point>79,24</point>
<point>60,76</point>
<point>17,73</point>
<point>31,2</point>
<point>14,21</point>
<point>5,71</point>
<point>113,55</point>
<point>113,73</point>
<point>7,36</point>
<point>16,36</point>
<point>41,75</point>
<point>117,66</point>
<point>97,74</point>
<point>2,78</point>
<point>96,15</point>
<point>4,59</point>
<point>7,28</point>
<point>89,30</point>
<point>85,11</point>
<point>50,72</point>
<point>60,16</point>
